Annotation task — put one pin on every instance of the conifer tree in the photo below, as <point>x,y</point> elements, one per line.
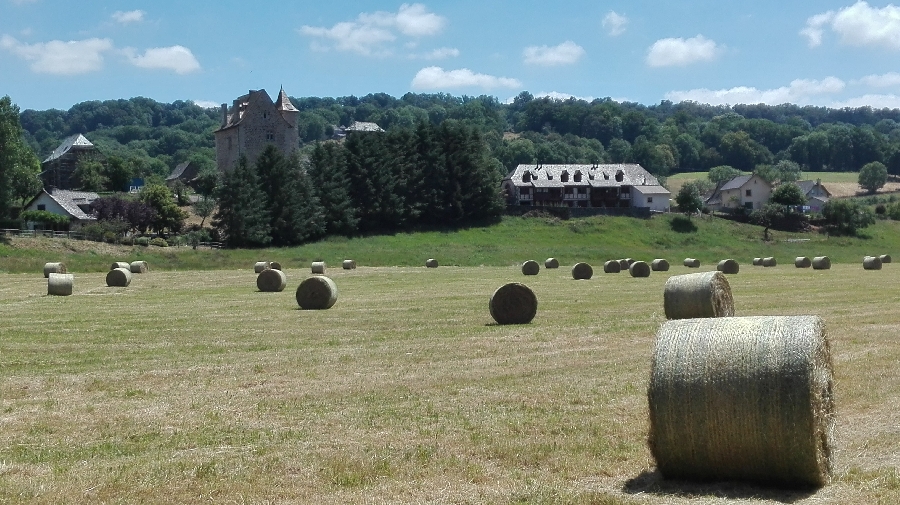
<point>294,213</point>
<point>328,173</point>
<point>242,216</point>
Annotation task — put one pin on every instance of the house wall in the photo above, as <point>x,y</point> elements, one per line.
<point>655,202</point>
<point>50,205</point>
<point>760,191</point>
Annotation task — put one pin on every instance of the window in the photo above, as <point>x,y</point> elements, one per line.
<point>265,115</point>
<point>41,206</point>
<point>270,136</point>
<point>564,177</point>
<point>749,193</point>
<point>649,199</point>
<point>526,177</point>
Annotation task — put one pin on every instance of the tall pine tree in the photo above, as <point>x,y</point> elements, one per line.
<point>242,216</point>
<point>328,172</point>
<point>294,212</point>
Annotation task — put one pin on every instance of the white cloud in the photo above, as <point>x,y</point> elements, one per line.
<point>438,78</point>
<point>566,53</point>
<point>58,57</point>
<point>800,91</point>
<point>128,17</point>
<point>858,25</point>
<point>176,58</point>
<point>889,101</point>
<point>614,24</point>
<point>681,52</point>
<point>371,32</point>
<point>888,80</point>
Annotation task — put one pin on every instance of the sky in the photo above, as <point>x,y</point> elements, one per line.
<point>833,53</point>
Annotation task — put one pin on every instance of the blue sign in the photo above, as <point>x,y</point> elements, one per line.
<point>137,184</point>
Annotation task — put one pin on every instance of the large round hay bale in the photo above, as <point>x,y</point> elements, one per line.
<point>802,262</point>
<point>431,263</point>
<point>743,398</point>
<point>60,284</point>
<point>118,277</point>
<point>551,263</point>
<point>612,267</point>
<point>317,293</point>
<point>348,265</point>
<point>139,267</point>
<point>513,303</point>
<point>639,269</point>
<point>885,258</point>
<point>705,294</point>
<point>821,263</point>
<point>271,280</point>
<point>769,262</point>
<point>530,267</point>
<point>692,262</point>
<point>120,264</point>
<point>728,266</point>
<point>54,268</point>
<point>757,262</point>
<point>582,271</point>
<point>629,261</point>
<point>623,264</point>
<point>872,263</point>
<point>275,265</point>
<point>318,267</point>
<point>259,266</point>
<point>659,265</point>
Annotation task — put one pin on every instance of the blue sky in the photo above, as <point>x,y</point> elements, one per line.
<point>54,53</point>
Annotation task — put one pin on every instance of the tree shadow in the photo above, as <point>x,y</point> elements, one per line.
<point>653,483</point>
<point>682,224</point>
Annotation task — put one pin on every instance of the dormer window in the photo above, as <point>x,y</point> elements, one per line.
<point>605,176</point>
<point>577,176</point>
<point>620,176</point>
<point>526,177</point>
<point>549,176</point>
<point>564,177</point>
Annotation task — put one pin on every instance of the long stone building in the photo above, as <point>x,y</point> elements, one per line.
<point>251,123</point>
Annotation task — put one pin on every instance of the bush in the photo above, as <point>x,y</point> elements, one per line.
<point>144,241</point>
<point>846,217</point>
<point>159,242</point>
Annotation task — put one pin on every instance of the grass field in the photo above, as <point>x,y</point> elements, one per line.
<point>192,387</point>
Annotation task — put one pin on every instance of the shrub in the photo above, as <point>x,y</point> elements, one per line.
<point>159,242</point>
<point>144,241</point>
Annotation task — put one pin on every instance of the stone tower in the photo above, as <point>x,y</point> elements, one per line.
<point>251,123</point>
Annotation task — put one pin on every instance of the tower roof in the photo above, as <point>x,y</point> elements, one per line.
<point>284,103</point>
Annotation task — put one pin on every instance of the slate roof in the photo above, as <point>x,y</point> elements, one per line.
<point>630,174</point>
<point>652,190</point>
<point>77,140</point>
<point>807,186</point>
<point>178,172</point>
<point>736,183</point>
<point>284,103</point>
<point>70,201</point>
<point>362,126</point>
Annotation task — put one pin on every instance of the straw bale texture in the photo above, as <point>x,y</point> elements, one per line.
<point>728,266</point>
<point>639,269</point>
<point>318,267</point>
<point>54,268</point>
<point>821,263</point>
<point>513,303</point>
<point>317,293</point>
<point>275,265</point>
<point>612,267</point>
<point>431,263</point>
<point>60,284</point>
<point>872,263</point>
<point>769,262</point>
<point>885,258</point>
<point>757,262</point>
<point>349,265</point>
<point>139,267</point>
<point>551,263</point>
<point>802,262</point>
<point>743,398</point>
<point>692,263</point>
<point>659,265</point>
<point>119,277</point>
<point>120,264</point>
<point>259,266</point>
<point>530,267</point>
<point>582,271</point>
<point>271,280</point>
<point>705,294</point>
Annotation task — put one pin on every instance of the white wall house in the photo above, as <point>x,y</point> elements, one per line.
<point>748,191</point>
<point>73,204</point>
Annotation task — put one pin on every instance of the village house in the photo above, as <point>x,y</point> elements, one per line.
<point>76,205</point>
<point>253,122</point>
<point>750,192</point>
<point>57,169</point>
<point>816,194</point>
<point>186,173</point>
<point>587,186</point>
<point>341,132</point>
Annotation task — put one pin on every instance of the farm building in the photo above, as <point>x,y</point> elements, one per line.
<point>57,169</point>
<point>253,122</point>
<point>816,194</point>
<point>76,205</point>
<point>185,172</point>
<point>748,191</point>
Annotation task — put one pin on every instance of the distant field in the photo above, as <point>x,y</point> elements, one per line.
<point>840,184</point>
<point>191,387</point>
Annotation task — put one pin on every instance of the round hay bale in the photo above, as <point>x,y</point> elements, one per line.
<point>802,262</point>
<point>275,265</point>
<point>659,265</point>
<point>317,293</point>
<point>612,267</point>
<point>885,258</point>
<point>118,277</point>
<point>530,267</point>
<point>513,303</point>
<point>872,263</point>
<point>757,262</point>
<point>60,284</point>
<point>743,398</point>
<point>318,267</point>
<point>629,261</point>
<point>692,263</point>
<point>139,267</point>
<point>639,269</point>
<point>271,280</point>
<point>582,271</point>
<point>259,266</point>
<point>821,263</point>
<point>551,263</point>
<point>705,294</point>
<point>623,264</point>
<point>120,264</point>
<point>769,262</point>
<point>431,263</point>
<point>728,266</point>
<point>54,268</point>
<point>348,265</point>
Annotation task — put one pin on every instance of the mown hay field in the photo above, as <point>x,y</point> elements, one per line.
<point>193,387</point>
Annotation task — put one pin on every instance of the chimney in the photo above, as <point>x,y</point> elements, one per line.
<point>224,114</point>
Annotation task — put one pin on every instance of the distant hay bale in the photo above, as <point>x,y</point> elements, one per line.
<point>54,268</point>
<point>757,262</point>
<point>705,294</point>
<point>623,264</point>
<point>139,267</point>
<point>513,303</point>
<point>743,398</point>
<point>802,262</point>
<point>821,263</point>
<point>431,263</point>
<point>582,271</point>
<point>629,261</point>
<point>271,280</point>
<point>259,266</point>
<point>275,265</point>
<point>551,263</point>
<point>728,266</point>
<point>120,264</point>
<point>60,284</point>
<point>659,265</point>
<point>639,269</point>
<point>317,293</point>
<point>872,263</point>
<point>885,258</point>
<point>530,267</point>
<point>318,267</point>
<point>692,262</point>
<point>348,265</point>
<point>119,277</point>
<point>769,262</point>
<point>612,267</point>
